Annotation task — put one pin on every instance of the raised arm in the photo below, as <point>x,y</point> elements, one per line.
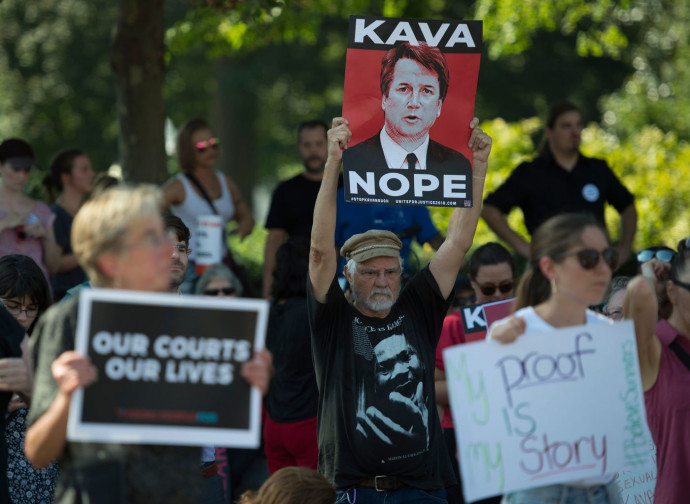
<point>323,260</point>
<point>640,304</point>
<point>463,221</point>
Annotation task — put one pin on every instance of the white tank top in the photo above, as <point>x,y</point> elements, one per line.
<point>193,206</point>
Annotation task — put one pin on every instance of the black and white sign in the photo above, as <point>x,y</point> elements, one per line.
<point>168,369</point>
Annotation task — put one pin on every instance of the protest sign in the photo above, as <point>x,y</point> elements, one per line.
<point>474,317</point>
<point>410,86</point>
<point>549,408</point>
<point>637,487</point>
<point>168,369</point>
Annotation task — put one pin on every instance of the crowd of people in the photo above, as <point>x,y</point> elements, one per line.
<point>353,373</point>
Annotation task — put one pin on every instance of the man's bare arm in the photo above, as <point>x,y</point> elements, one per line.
<point>498,223</point>
<point>463,221</point>
<point>628,230</point>
<point>323,260</point>
<point>276,237</point>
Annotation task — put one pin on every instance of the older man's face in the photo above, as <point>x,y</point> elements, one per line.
<point>413,102</point>
<point>375,285</point>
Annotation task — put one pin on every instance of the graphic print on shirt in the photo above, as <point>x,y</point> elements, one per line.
<point>392,411</point>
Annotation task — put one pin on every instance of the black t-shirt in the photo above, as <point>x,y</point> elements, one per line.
<point>292,205</point>
<point>62,282</point>
<point>541,189</point>
<point>377,410</point>
<point>293,396</point>
<point>11,336</point>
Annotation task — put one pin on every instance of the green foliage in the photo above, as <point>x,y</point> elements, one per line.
<point>55,77</point>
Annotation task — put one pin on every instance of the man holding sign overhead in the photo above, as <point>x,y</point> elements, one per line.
<point>378,429</point>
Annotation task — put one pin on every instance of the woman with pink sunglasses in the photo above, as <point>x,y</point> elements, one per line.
<point>201,189</point>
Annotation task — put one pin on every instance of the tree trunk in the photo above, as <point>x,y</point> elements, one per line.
<point>137,58</point>
<point>236,111</point>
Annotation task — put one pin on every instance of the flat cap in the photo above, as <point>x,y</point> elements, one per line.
<point>373,243</point>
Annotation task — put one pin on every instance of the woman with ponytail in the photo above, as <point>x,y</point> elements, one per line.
<point>570,268</point>
<point>69,181</point>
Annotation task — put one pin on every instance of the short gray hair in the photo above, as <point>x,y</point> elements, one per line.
<point>217,271</point>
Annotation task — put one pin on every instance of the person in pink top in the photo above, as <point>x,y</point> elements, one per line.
<point>26,225</point>
<point>491,273</point>
<point>664,354</point>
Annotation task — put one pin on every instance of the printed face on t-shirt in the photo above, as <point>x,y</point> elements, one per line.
<point>398,368</point>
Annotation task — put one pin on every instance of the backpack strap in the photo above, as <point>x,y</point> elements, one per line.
<point>203,192</point>
<point>680,353</point>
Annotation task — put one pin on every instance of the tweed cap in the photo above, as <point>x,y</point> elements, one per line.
<point>373,243</point>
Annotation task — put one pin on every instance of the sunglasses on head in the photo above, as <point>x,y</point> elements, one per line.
<point>589,258</point>
<point>228,291</point>
<point>213,143</point>
<point>504,287</point>
<point>662,253</point>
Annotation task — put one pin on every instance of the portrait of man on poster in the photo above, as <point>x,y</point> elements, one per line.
<point>414,82</point>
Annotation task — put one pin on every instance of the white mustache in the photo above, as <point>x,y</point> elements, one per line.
<point>384,291</point>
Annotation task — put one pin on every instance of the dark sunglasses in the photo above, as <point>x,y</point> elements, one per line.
<point>504,287</point>
<point>205,144</point>
<point>228,291</point>
<point>662,253</point>
<point>589,258</point>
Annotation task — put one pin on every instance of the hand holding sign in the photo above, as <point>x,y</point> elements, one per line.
<point>480,143</point>
<point>508,331</point>
<point>259,371</point>
<point>73,370</point>
<point>338,137</point>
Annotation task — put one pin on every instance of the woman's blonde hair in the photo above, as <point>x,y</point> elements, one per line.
<point>292,485</point>
<point>101,224</point>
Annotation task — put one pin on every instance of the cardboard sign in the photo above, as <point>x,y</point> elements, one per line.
<point>168,369</point>
<point>637,487</point>
<point>549,408</point>
<point>474,317</point>
<point>410,86</point>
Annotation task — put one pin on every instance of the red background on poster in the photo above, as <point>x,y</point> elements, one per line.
<point>362,99</point>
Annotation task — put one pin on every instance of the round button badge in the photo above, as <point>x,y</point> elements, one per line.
<point>590,192</point>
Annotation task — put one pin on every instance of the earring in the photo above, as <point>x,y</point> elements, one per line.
<point>554,286</point>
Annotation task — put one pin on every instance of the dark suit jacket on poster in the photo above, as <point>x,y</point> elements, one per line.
<point>367,156</point>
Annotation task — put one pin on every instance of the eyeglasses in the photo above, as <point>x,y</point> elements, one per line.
<point>227,291</point>
<point>589,258</point>
<point>614,313</point>
<point>17,308</point>
<point>213,143</point>
<point>504,287</point>
<point>662,253</point>
<point>371,274</point>
<point>150,239</point>
<point>182,249</point>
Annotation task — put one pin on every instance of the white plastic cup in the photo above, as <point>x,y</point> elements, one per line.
<point>209,241</point>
